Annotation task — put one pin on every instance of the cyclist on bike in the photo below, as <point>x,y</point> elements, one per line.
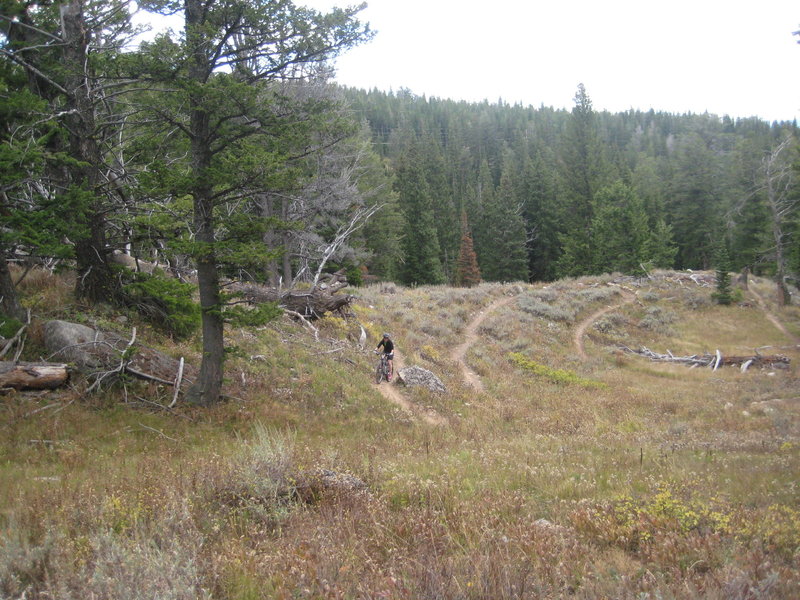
<point>388,349</point>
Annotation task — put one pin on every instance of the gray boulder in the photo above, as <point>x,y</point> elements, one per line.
<point>77,344</point>
<point>92,350</point>
<point>412,376</point>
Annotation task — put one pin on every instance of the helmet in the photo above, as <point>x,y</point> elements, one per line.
<point>386,335</point>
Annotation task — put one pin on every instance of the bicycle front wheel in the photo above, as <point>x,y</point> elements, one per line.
<point>378,374</point>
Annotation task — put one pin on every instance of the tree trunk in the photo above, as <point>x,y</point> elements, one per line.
<point>778,176</point>
<point>784,297</point>
<point>271,272</point>
<point>207,388</point>
<point>9,301</point>
<point>287,260</point>
<point>277,241</point>
<point>743,278</point>
<point>96,280</point>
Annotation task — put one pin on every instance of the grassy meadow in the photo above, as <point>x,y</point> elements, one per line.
<point>604,476</point>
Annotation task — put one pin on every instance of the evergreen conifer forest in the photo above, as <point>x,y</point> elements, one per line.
<point>246,159</point>
<point>606,303</point>
<point>585,192</point>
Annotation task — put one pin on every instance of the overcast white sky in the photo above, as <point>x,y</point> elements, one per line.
<point>735,57</point>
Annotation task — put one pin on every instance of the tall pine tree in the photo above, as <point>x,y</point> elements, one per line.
<point>539,210</point>
<point>506,257</point>
<point>694,203</point>
<point>619,230</point>
<point>421,264</point>
<point>238,128</point>
<point>583,173</point>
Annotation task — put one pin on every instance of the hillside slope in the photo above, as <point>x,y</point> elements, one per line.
<point>555,464</point>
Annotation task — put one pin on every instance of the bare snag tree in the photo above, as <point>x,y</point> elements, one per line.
<point>782,203</point>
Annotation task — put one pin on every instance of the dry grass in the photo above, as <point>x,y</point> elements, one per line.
<point>662,482</point>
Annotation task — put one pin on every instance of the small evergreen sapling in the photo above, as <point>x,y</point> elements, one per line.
<point>724,294</point>
<point>166,302</point>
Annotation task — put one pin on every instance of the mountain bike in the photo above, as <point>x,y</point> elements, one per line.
<point>382,371</point>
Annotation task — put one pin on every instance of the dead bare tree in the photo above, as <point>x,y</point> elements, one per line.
<point>782,203</point>
<point>333,206</point>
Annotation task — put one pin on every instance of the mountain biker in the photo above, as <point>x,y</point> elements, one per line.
<point>388,349</point>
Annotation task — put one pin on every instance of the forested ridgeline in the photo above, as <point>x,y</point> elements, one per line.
<point>222,153</point>
<point>549,193</point>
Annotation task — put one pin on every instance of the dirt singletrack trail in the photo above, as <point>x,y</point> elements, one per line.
<point>580,332</point>
<point>470,337</point>
<point>772,318</point>
<point>394,395</point>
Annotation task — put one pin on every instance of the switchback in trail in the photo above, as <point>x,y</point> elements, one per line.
<point>580,332</point>
<point>393,394</point>
<point>470,337</point>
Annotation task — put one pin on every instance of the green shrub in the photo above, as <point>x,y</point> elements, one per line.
<point>658,319</point>
<point>262,483</point>
<point>9,326</point>
<point>596,294</point>
<point>554,375</point>
<point>547,295</point>
<point>166,302</point>
<point>609,323</point>
<point>538,308</point>
<point>353,272</point>
<point>695,301</point>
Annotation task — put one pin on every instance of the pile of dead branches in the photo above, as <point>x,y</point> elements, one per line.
<point>312,303</point>
<point>713,361</point>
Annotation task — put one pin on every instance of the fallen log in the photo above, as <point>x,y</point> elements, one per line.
<point>311,304</point>
<point>32,376</point>
<point>715,360</point>
<point>758,360</point>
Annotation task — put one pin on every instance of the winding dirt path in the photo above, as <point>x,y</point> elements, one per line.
<point>772,318</point>
<point>580,332</point>
<point>394,395</point>
<point>470,337</point>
